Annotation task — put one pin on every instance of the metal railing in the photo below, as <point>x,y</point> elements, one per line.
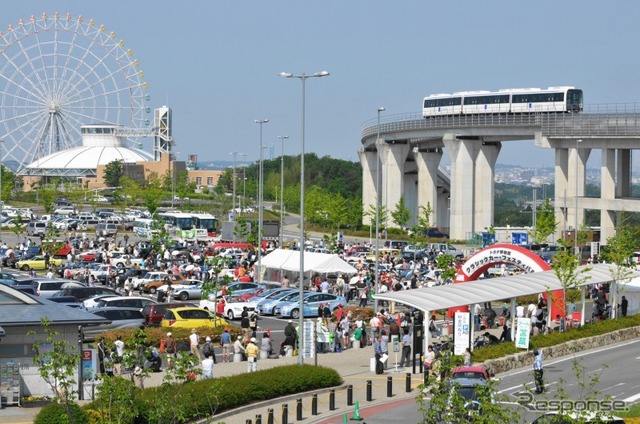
<point>602,120</point>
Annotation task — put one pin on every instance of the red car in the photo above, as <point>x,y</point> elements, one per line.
<point>89,256</point>
<point>478,372</point>
<point>253,293</point>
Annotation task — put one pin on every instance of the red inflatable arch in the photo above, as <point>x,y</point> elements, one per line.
<point>508,254</point>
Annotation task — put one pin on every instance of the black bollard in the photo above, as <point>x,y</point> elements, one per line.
<point>314,404</point>
<point>408,383</point>
<point>332,400</point>
<point>258,418</point>
<point>248,421</point>
<point>369,391</point>
<point>270,418</point>
<point>299,409</point>
<point>285,413</point>
<point>389,386</point>
<point>349,395</point>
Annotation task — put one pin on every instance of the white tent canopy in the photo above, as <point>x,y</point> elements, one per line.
<point>289,260</point>
<point>489,290</point>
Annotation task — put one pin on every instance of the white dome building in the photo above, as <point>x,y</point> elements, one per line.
<point>100,146</point>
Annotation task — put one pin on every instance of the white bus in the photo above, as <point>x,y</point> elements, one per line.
<point>143,227</point>
<point>205,225</point>
<point>178,225</point>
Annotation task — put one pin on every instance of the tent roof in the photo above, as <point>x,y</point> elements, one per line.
<point>289,260</point>
<point>489,290</point>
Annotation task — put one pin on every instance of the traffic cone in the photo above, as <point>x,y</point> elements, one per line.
<point>345,419</point>
<point>356,412</point>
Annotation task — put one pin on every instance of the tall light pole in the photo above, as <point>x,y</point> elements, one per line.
<point>282,139</point>
<point>303,79</point>
<point>1,201</point>
<point>172,159</point>
<point>575,236</point>
<point>260,122</point>
<point>235,157</point>
<point>376,272</point>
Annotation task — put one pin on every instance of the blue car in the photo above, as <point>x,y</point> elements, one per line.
<point>267,306</point>
<point>311,302</point>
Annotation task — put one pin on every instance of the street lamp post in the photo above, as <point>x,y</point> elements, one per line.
<point>376,272</point>
<point>303,79</point>
<point>282,139</point>
<point>235,157</point>
<point>172,164</point>
<point>1,166</point>
<point>575,230</point>
<point>258,271</point>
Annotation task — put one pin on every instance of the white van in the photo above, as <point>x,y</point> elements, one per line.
<point>106,230</point>
<point>36,228</point>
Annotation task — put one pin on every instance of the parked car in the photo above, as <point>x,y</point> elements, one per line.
<point>153,285</point>
<point>153,312</point>
<point>570,417</point>
<point>124,301</point>
<point>185,290</point>
<point>70,301</point>
<point>311,301</point>
<point>120,317</point>
<point>237,288</point>
<point>36,228</point>
<point>190,317</point>
<point>61,201</point>
<point>83,293</point>
<point>230,307</point>
<point>471,372</point>
<point>435,233</point>
<point>268,305</point>
<point>47,288</point>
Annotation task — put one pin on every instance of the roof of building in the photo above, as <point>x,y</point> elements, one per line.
<point>98,148</point>
<point>18,309</point>
<point>494,289</point>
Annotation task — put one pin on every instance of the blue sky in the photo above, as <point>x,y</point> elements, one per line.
<point>216,63</point>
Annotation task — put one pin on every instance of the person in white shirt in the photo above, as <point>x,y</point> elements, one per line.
<point>119,353</point>
<point>194,341</point>
<point>520,311</point>
<point>531,310</point>
<point>207,367</point>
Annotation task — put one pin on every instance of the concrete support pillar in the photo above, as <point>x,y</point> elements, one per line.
<point>462,154</point>
<point>607,192</point>
<point>392,160</point>
<point>484,185</point>
<point>427,162</point>
<point>368,162</point>
<point>560,195</point>
<point>577,174</point>
<point>623,188</point>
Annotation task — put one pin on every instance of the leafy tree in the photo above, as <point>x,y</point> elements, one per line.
<point>8,182</point>
<point>225,182</point>
<point>546,223</point>
<point>619,249</point>
<point>48,195</point>
<point>113,171</point>
<point>424,218</point>
<point>565,265</point>
<point>241,230</point>
<point>448,405</point>
<point>382,214</point>
<point>152,193</point>
<point>446,263</point>
<point>337,211</point>
<point>401,214</point>
<point>57,364</point>
<point>18,227</point>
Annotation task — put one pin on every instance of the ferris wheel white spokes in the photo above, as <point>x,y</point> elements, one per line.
<point>58,73</point>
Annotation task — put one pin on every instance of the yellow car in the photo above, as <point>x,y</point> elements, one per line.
<point>37,262</point>
<point>191,317</point>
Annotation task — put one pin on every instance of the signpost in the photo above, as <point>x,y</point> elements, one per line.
<point>462,333</point>
<point>522,335</point>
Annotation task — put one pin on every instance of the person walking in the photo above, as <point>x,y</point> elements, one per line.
<point>406,348</point>
<point>119,353</point>
<point>207,366</point>
<point>252,352</point>
<point>225,343</point>
<point>537,371</point>
<point>194,342</point>
<point>624,305</point>
<point>377,348</point>
<point>170,349</point>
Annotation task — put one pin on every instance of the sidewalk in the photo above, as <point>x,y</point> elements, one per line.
<point>352,365</point>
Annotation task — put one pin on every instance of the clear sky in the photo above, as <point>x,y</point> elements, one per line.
<point>216,63</point>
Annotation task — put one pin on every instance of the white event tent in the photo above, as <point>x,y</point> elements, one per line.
<point>322,263</point>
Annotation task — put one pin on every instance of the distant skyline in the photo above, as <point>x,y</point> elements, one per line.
<point>216,64</point>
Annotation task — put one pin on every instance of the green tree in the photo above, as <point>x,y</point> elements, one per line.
<point>48,194</point>
<point>546,223</point>
<point>152,193</point>
<point>241,230</point>
<point>618,250</point>
<point>401,214</point>
<point>57,364</point>
<point>8,182</point>
<point>565,265</point>
<point>113,171</point>
<point>382,214</point>
<point>424,218</point>
<point>18,227</point>
<point>337,211</point>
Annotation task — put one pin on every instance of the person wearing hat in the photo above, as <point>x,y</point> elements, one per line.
<point>207,349</point>
<point>194,342</point>
<point>252,352</point>
<point>537,371</point>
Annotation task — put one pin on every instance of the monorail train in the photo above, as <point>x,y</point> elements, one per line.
<point>513,100</point>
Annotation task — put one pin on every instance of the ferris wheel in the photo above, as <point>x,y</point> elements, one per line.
<point>58,73</point>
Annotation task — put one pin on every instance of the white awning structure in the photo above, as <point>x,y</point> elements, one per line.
<point>289,260</point>
<point>490,290</point>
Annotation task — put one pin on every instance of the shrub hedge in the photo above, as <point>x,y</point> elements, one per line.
<point>199,399</point>
<point>545,340</point>
<point>155,334</point>
<point>55,413</point>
